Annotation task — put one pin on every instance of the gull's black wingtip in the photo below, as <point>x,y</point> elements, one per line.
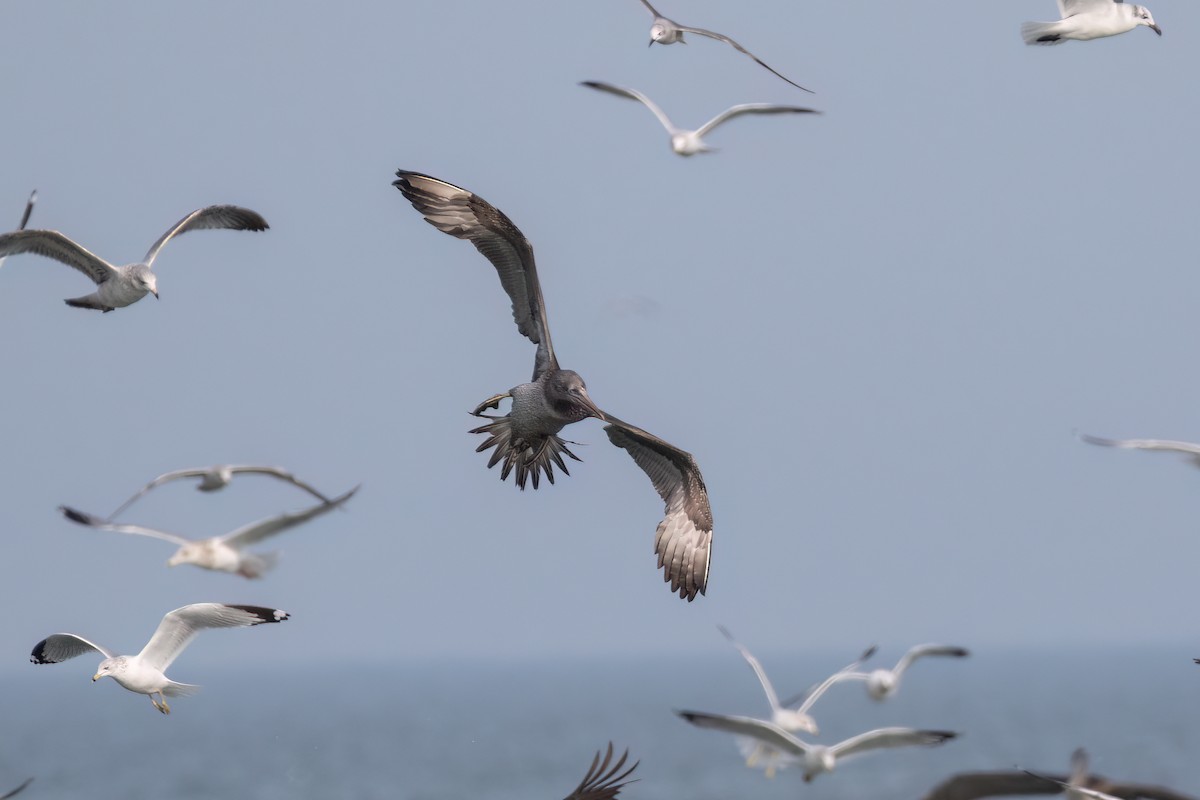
<point>80,517</point>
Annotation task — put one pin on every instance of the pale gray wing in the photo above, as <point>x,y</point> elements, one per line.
<point>1069,8</point>
<point>683,540</point>
<point>848,672</point>
<point>62,646</point>
<point>224,217</point>
<point>16,791</point>
<point>888,737</point>
<point>257,531</point>
<point>53,244</point>
<point>976,785</point>
<point>21,227</point>
<point>923,650</point>
<point>768,689</point>
<point>758,729</point>
<point>633,94</point>
<point>603,782</point>
<point>282,474</point>
<point>651,9</point>
<point>465,215</point>
<point>1187,448</point>
<point>720,37</point>
<point>166,477</point>
<point>751,108</point>
<point>118,527</point>
<point>179,627</point>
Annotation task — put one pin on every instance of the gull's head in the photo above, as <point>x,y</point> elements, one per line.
<point>792,721</point>
<point>187,554</point>
<point>1144,17</point>
<point>661,33</point>
<point>144,280</point>
<point>108,667</point>
<point>568,395</point>
<point>881,683</point>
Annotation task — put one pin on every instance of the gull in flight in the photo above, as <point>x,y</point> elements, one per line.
<point>815,758</point>
<point>883,683</point>
<point>601,781</point>
<point>665,31</point>
<point>797,719</point>
<point>213,479</point>
<point>974,785</point>
<point>526,439</point>
<point>118,287</point>
<point>1089,19</point>
<point>144,673</point>
<point>16,791</point>
<point>688,143</point>
<point>24,221</point>
<point>221,553</point>
<point>1192,451</point>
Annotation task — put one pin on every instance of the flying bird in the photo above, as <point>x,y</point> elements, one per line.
<point>815,758</point>
<point>16,791</point>
<point>789,719</point>
<point>601,781</point>
<point>526,439</point>
<point>1089,19</point>
<point>118,287</point>
<point>21,226</point>
<point>688,143</point>
<point>1192,451</point>
<point>975,785</point>
<point>222,553</point>
<point>144,673</point>
<point>215,478</point>
<point>883,683</point>
<point>665,31</point>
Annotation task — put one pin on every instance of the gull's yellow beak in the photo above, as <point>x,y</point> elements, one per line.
<point>96,677</point>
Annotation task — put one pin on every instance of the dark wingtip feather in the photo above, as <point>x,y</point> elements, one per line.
<point>262,613</point>
<point>38,656</point>
<point>80,517</point>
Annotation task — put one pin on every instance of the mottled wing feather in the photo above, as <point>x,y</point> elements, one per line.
<point>223,217</point>
<point>758,729</point>
<point>257,531</point>
<point>720,37</point>
<point>603,782</point>
<point>62,646</point>
<point>180,626</point>
<point>975,785</point>
<point>464,215</point>
<point>683,540</point>
<point>53,244</point>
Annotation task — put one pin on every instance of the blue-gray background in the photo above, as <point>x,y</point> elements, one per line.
<point>875,329</point>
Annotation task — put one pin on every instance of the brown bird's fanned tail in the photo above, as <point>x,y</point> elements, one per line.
<point>529,459</point>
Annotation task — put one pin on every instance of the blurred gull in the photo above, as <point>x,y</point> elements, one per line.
<point>815,758</point>
<point>526,438</point>
<point>24,221</point>
<point>16,791</point>
<point>603,782</point>
<point>1088,19</point>
<point>218,477</point>
<point>883,683</point>
<point>1192,451</point>
<point>144,673</point>
<point>688,143</point>
<point>665,31</point>
<point>221,553</point>
<point>122,286</point>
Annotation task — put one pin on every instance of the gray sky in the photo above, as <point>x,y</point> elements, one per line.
<point>875,329</point>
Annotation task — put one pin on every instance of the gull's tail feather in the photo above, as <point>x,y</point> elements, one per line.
<point>1041,33</point>
<point>255,565</point>
<point>88,301</point>
<point>174,689</point>
<point>529,458</point>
